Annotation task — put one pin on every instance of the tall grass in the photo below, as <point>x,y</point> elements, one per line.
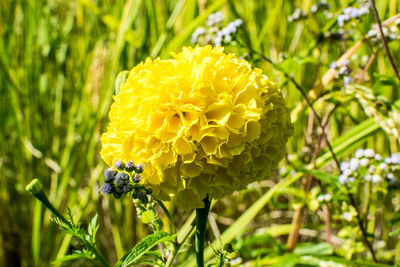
<point>58,62</point>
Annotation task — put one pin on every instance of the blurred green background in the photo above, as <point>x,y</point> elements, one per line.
<point>58,62</point>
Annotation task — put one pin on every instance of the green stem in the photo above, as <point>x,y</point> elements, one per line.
<point>171,220</point>
<point>174,252</point>
<point>36,189</point>
<point>178,245</point>
<point>201,223</point>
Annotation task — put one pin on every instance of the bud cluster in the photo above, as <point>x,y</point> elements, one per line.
<point>145,204</point>
<point>122,179</point>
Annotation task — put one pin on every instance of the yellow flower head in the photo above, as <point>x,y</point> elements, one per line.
<point>201,123</point>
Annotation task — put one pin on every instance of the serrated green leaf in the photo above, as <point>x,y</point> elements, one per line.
<point>93,227</point>
<point>143,246</point>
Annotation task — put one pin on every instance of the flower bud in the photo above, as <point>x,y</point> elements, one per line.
<point>35,187</point>
<point>142,197</point>
<point>119,165</point>
<point>109,175</point>
<point>139,168</point>
<point>121,179</point>
<point>107,189</point>
<point>129,166</point>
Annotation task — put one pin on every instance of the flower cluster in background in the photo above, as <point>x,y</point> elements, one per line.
<point>352,13</point>
<point>319,7</point>
<point>390,32</point>
<point>214,33</point>
<point>343,71</point>
<point>371,167</point>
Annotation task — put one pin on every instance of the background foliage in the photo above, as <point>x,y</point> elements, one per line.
<point>58,62</point>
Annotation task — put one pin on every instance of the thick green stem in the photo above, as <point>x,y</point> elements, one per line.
<point>201,223</point>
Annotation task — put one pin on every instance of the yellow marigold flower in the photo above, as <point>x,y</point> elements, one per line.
<point>202,123</point>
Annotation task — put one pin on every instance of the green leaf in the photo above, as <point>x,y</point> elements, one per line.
<point>353,262</point>
<point>78,254</point>
<point>321,175</point>
<point>292,64</point>
<point>143,246</point>
<point>92,229</point>
<point>310,249</point>
<point>287,260</point>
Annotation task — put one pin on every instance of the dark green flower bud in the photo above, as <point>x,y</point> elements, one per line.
<point>142,196</point>
<point>35,187</point>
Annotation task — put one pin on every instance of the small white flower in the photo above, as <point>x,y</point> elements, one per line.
<point>343,179</point>
<point>343,70</point>
<point>376,178</point>
<point>364,10</point>
<point>231,27</point>
<point>388,160</point>
<point>348,10</point>
<point>199,31</point>
<point>346,62</point>
<point>378,157</point>
<point>215,18</point>
<point>211,20</point>
<point>225,31</point>
<point>218,17</point>
<point>344,166</point>
<point>227,39</point>
<point>383,166</point>
<point>372,169</point>
<point>368,177</point>
<point>347,216</point>
<point>320,198</point>
<point>347,172</point>
<point>395,158</point>
<point>364,162</point>
<point>390,176</point>
<point>347,80</point>
<point>369,153</point>
<point>333,65</point>
<point>355,13</point>
<point>237,22</point>
<point>341,19</point>
<point>354,164</point>
<point>372,33</point>
<point>359,153</point>
<point>217,41</point>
